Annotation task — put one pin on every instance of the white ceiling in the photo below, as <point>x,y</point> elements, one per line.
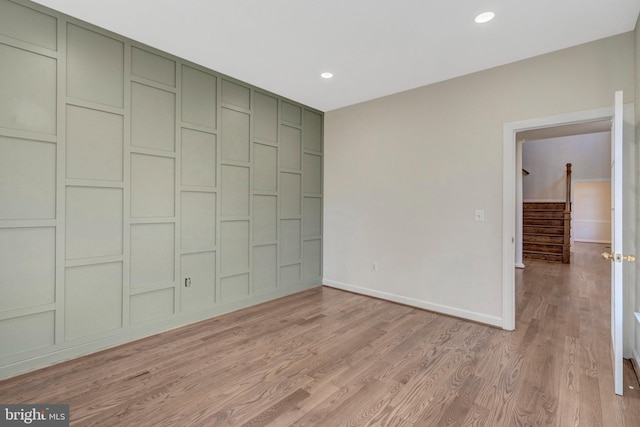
<point>373,47</point>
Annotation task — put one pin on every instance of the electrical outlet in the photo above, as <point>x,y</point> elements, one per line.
<point>187,282</point>
<point>374,266</point>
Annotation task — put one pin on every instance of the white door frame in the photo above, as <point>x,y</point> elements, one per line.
<point>512,192</point>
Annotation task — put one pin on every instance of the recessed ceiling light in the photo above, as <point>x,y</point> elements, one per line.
<point>484,17</point>
<point>326,75</point>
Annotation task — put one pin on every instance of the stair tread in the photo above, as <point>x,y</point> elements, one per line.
<point>541,253</point>
<point>545,243</point>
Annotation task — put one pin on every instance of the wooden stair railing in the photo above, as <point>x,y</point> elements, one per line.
<point>566,250</point>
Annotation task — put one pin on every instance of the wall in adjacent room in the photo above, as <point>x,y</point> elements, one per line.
<point>140,192</point>
<point>546,160</point>
<point>591,212</point>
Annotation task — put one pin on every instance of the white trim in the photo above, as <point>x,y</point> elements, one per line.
<point>509,195</point>
<point>509,227</point>
<point>519,206</point>
<point>635,354</point>
<point>636,360</point>
<point>573,180</point>
<point>596,221</point>
<point>426,305</point>
<point>592,241</point>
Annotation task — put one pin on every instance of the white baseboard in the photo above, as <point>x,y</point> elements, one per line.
<point>438,308</point>
<point>592,241</point>
<point>520,265</point>
<point>636,364</point>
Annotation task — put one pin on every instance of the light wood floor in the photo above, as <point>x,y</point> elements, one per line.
<point>330,358</point>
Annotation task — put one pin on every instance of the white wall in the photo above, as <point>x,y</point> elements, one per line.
<point>404,175</point>
<point>546,160</point>
<point>591,218</point>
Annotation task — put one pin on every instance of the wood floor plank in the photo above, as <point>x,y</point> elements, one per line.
<point>325,357</point>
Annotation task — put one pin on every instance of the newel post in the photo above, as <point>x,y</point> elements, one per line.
<point>566,247</point>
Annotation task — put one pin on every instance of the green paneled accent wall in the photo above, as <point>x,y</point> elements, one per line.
<point>140,192</point>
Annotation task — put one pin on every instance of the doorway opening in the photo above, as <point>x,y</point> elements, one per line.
<point>512,190</point>
<point>584,148</point>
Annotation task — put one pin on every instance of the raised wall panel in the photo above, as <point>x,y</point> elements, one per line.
<point>198,220</point>
<point>200,268</point>
<point>265,117</point>
<point>152,186</point>
<point>93,299</point>
<point>265,168</point>
<point>265,268</point>
<point>290,190</point>
<point>153,67</point>
<point>109,153</point>
<point>235,190</point>
<point>95,67</point>
<point>28,88</point>
<point>27,267</point>
<point>150,306</point>
<point>234,247</point>
<point>312,174</point>
<point>28,25</point>
<point>312,216</point>
<point>312,131</point>
<point>198,97</point>
<point>234,288</point>
<point>290,147</point>
<point>235,135</point>
<point>27,179</point>
<point>94,222</point>
<point>312,259</point>
<point>265,218</point>
<point>152,254</point>
<point>94,144</point>
<point>235,94</point>
<point>15,340</point>
<point>153,118</point>
<point>291,113</point>
<point>198,158</point>
<point>290,275</point>
<point>290,251</point>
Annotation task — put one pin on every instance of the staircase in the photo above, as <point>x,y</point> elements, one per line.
<point>546,228</point>
<point>543,231</point>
